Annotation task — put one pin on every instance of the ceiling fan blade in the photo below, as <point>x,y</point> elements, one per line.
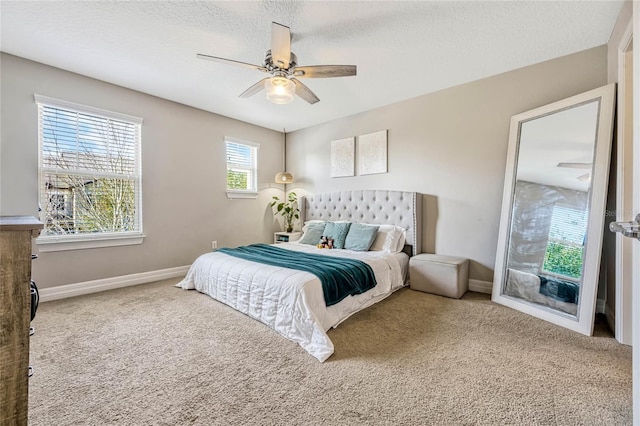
<point>575,165</point>
<point>585,177</point>
<point>254,89</point>
<point>280,45</point>
<point>231,62</point>
<point>304,92</point>
<point>325,71</point>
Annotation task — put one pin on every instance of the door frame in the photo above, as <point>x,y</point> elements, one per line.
<point>636,207</point>
<point>624,200</point>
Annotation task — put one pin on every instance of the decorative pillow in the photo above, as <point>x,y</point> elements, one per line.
<point>309,222</point>
<point>395,241</point>
<point>401,240</point>
<point>360,237</point>
<point>313,233</point>
<point>338,231</point>
<point>390,239</point>
<point>381,237</point>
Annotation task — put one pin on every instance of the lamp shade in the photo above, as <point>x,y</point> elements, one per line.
<point>284,177</point>
<point>280,90</point>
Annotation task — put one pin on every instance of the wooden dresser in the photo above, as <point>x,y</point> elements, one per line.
<point>16,233</point>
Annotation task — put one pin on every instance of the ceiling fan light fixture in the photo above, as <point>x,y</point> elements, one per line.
<point>280,90</point>
<point>282,64</point>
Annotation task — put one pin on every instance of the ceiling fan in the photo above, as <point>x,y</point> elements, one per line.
<point>575,165</point>
<point>282,64</point>
<point>582,178</point>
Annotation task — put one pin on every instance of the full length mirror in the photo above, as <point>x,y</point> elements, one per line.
<point>550,239</point>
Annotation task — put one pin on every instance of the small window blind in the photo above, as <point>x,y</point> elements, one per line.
<point>242,164</point>
<point>564,255</point>
<point>90,172</point>
<point>568,225</point>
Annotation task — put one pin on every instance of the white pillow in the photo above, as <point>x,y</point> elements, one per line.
<point>395,241</point>
<point>389,239</point>
<point>401,240</point>
<point>381,237</point>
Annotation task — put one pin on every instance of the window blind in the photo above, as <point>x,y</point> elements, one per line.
<point>90,174</point>
<point>241,166</point>
<point>568,225</point>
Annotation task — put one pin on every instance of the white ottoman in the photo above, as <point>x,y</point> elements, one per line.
<point>437,274</point>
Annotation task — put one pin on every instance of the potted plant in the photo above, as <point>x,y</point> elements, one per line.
<point>288,209</point>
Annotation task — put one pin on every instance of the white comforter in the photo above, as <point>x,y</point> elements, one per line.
<point>288,300</point>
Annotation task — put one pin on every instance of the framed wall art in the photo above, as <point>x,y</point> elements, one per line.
<point>372,153</point>
<point>343,157</point>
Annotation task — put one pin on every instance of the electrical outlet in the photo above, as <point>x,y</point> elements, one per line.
<point>214,245</point>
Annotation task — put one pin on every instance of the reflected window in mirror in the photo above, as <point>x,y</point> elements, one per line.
<point>565,246</point>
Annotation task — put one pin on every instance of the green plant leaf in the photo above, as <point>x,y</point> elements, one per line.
<point>288,209</point>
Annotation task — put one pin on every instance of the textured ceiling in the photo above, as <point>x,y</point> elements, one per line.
<point>402,49</point>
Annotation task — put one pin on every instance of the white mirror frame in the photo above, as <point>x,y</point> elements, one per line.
<point>583,322</point>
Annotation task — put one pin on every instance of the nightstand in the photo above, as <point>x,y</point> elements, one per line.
<point>286,237</point>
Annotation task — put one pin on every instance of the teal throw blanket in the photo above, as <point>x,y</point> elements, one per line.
<point>339,277</point>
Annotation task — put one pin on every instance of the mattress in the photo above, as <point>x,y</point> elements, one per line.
<point>291,301</point>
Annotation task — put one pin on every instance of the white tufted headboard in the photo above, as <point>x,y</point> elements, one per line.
<point>368,206</point>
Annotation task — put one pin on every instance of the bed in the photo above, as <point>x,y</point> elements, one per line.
<point>291,301</point>
<point>543,290</point>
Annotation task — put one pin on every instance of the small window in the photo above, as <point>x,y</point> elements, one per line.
<point>90,174</point>
<point>565,247</point>
<point>242,168</point>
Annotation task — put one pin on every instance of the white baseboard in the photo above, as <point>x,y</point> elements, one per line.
<point>480,286</point>
<point>87,287</point>
<point>600,306</point>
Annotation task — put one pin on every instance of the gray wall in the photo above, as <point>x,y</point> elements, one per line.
<point>183,175</point>
<point>451,146</point>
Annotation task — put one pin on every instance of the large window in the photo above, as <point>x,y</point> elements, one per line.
<point>90,175</point>
<point>565,247</point>
<point>242,167</point>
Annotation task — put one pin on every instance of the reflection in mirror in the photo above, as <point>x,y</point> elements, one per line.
<point>550,207</point>
<point>550,238</point>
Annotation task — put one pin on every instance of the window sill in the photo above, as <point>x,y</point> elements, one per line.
<point>242,194</point>
<point>64,243</point>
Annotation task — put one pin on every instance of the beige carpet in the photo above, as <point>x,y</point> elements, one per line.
<point>158,355</point>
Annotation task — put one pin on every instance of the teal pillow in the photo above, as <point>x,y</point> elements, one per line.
<point>338,231</point>
<point>313,233</point>
<point>360,237</point>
